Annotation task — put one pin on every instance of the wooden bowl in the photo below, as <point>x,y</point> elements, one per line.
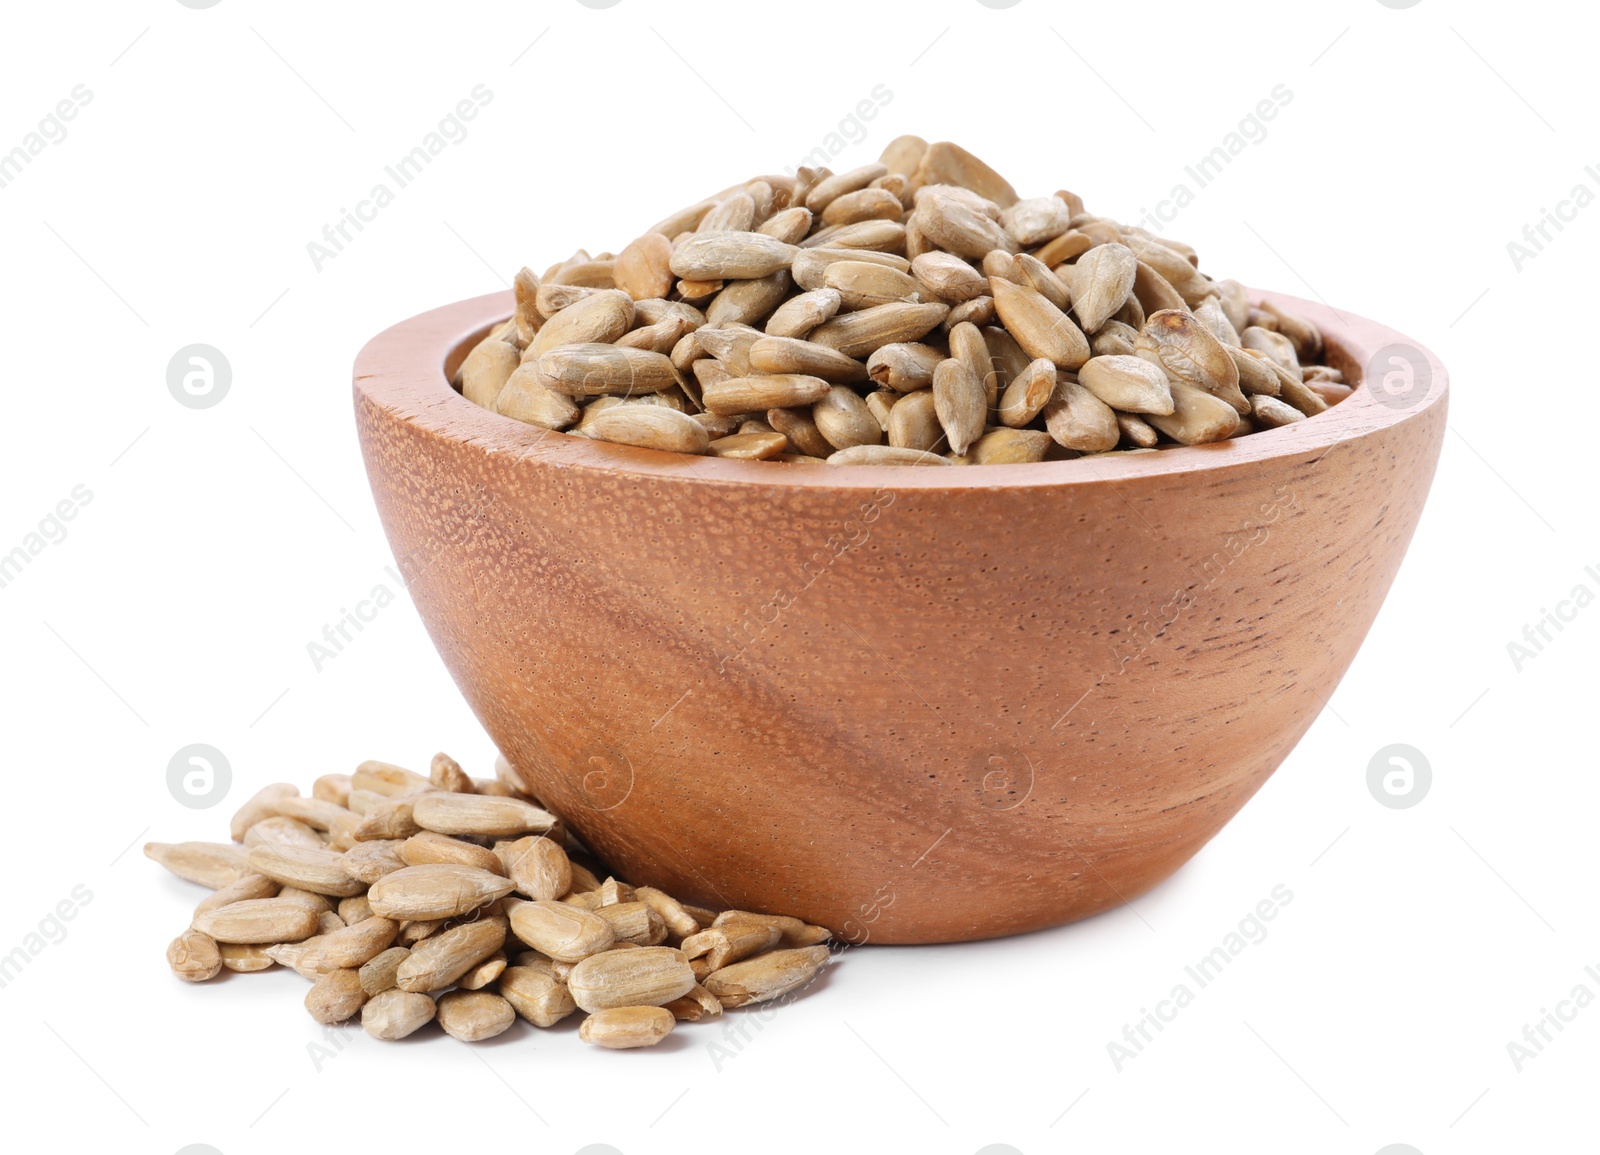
<point>911,704</point>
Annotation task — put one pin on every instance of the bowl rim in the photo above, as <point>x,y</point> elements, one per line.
<point>402,373</point>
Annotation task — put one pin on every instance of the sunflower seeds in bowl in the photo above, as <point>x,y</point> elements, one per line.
<point>913,311</point>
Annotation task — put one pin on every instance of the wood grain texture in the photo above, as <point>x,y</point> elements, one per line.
<point>913,705</point>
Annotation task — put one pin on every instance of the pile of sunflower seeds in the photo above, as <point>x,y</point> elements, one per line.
<point>407,899</point>
<point>914,311</point>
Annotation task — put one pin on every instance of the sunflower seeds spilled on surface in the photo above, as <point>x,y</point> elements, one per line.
<point>488,910</point>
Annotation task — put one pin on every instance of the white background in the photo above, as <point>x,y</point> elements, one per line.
<point>219,542</point>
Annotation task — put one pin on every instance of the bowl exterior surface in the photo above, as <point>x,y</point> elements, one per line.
<point>908,705</point>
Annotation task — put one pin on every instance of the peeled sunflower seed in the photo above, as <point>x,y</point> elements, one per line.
<point>767,391</point>
<point>242,959</point>
<point>1255,375</point>
<point>1038,326</point>
<point>334,788</point>
<point>485,370</point>
<point>1197,416</point>
<point>753,446</point>
<point>792,931</point>
<point>730,255</point>
<point>473,1016</point>
<point>431,848</point>
<point>904,366</point>
<point>537,866</point>
<point>1305,337</point>
<point>387,778</point>
<point>319,870</point>
<point>621,1028</point>
<point>1077,419</point>
<point>767,976</point>
<point>1152,291</point>
<point>1273,344</point>
<point>537,995</point>
<point>791,355</point>
<point>351,946</point>
<point>212,864</point>
<point>391,817</point>
<point>1272,413</point>
<point>551,297</point>
<point>967,345</point>
<point>1037,275</point>
<point>259,920</point>
<point>861,285</point>
<point>955,225</point>
<point>476,814</point>
<point>945,163</point>
<point>438,961</point>
<point>378,974</point>
<point>790,225</point>
<point>870,203</point>
<point>650,427</point>
<point>958,397</point>
<point>592,368</point>
<point>248,886</point>
<point>884,455</point>
<point>335,996</point>
<point>648,976</point>
<point>259,807</point>
<point>643,268</point>
<point>1299,394</point>
<point>294,956</point>
<point>914,422</point>
<point>602,316</point>
<point>863,236</point>
<point>1188,351</point>
<point>484,973</point>
<point>697,1004</point>
<point>735,213</point>
<point>1103,279</point>
<point>435,891</point>
<point>800,431</point>
<point>797,316</point>
<point>1026,395</point>
<point>826,191</point>
<point>948,278</point>
<point>633,922</point>
<point>371,860</point>
<point>673,913</point>
<point>394,1014</point>
<point>868,330</point>
<point>1128,384</point>
<point>1011,446</point>
<point>195,957</point>
<point>879,403</point>
<point>844,420</point>
<point>810,269</point>
<point>748,301</point>
<point>339,823</point>
<point>316,903</point>
<point>562,932</point>
<point>1036,220</point>
<point>731,943</point>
